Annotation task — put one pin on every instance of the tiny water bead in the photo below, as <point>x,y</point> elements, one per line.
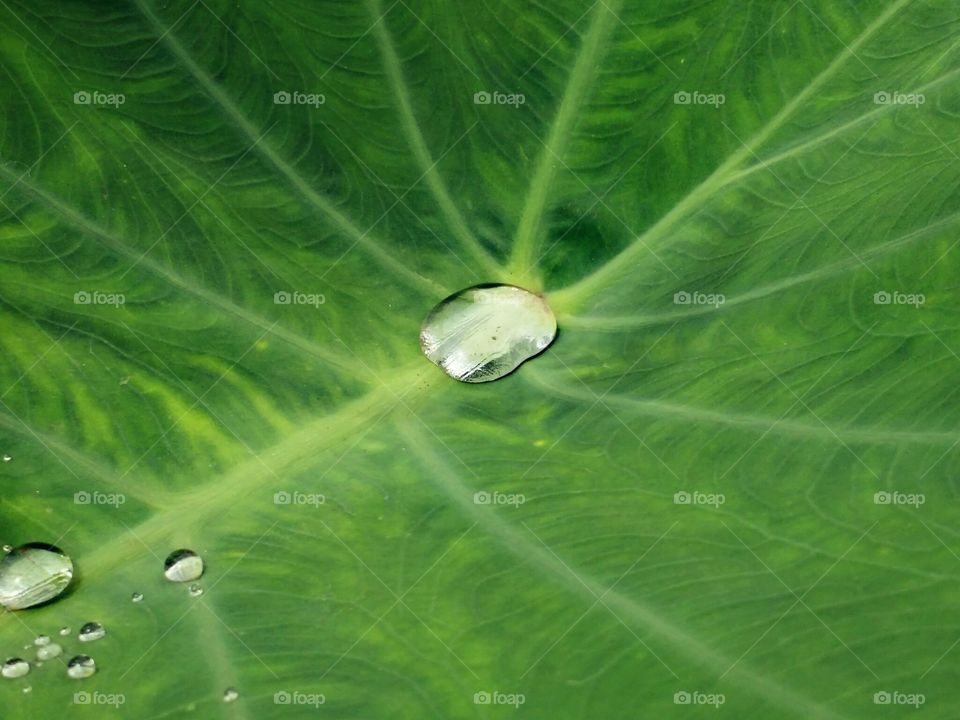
<point>32,574</point>
<point>230,694</point>
<point>81,666</point>
<point>136,597</point>
<point>183,566</point>
<point>485,332</point>
<point>49,652</point>
<point>195,590</point>
<point>64,631</point>
<point>41,640</point>
<point>7,458</point>
<point>7,548</point>
<point>14,668</point>
<point>91,631</point>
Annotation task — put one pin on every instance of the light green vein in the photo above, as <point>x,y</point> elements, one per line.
<point>527,238</point>
<point>573,296</point>
<point>428,165</point>
<point>580,583</point>
<point>262,147</point>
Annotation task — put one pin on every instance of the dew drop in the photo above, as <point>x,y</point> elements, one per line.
<point>27,689</point>
<point>32,574</point>
<point>15,668</point>
<point>183,566</point>
<point>7,548</point>
<point>41,640</point>
<point>485,332</point>
<point>81,666</point>
<point>49,652</point>
<point>64,631</point>
<point>230,694</point>
<point>195,590</point>
<point>7,458</point>
<point>91,631</point>
<point>136,597</point>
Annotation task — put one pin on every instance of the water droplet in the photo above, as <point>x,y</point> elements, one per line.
<point>32,574</point>
<point>136,597</point>
<point>49,652</point>
<point>64,631</point>
<point>81,666</point>
<point>484,332</point>
<point>91,631</point>
<point>7,548</point>
<point>230,694</point>
<point>41,640</point>
<point>15,668</point>
<point>183,566</point>
<point>196,590</point>
<point>7,458</point>
<point>27,689</point>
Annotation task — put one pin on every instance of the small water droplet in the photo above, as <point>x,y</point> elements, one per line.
<point>183,566</point>
<point>32,574</point>
<point>485,332</point>
<point>91,631</point>
<point>136,597</point>
<point>14,668</point>
<point>7,458</point>
<point>81,666</point>
<point>230,694</point>
<point>27,689</point>
<point>196,590</point>
<point>64,631</point>
<point>49,652</point>
<point>7,548</point>
<point>41,640</point>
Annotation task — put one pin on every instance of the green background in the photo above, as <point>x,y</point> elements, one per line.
<point>797,199</point>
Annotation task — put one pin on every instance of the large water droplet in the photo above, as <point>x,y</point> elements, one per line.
<point>81,666</point>
<point>49,652</point>
<point>14,668</point>
<point>91,631</point>
<point>183,566</point>
<point>32,574</point>
<point>230,694</point>
<point>484,332</point>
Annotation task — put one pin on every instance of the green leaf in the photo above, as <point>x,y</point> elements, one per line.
<point>710,483</point>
